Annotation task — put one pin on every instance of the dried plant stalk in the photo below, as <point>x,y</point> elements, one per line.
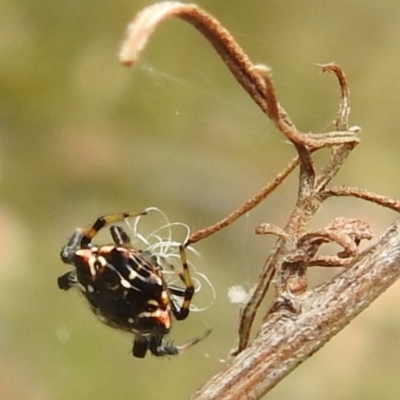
<point>299,321</point>
<point>144,24</point>
<point>249,205</point>
<point>285,341</point>
<point>343,191</point>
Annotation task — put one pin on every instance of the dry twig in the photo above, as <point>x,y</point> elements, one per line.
<point>299,321</point>
<point>286,339</point>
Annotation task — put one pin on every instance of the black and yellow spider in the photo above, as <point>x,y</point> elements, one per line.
<point>125,287</point>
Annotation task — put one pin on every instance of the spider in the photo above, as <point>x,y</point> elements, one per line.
<point>125,287</point>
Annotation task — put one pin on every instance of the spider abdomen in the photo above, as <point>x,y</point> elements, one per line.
<point>124,289</point>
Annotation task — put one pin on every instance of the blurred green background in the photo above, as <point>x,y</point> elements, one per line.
<point>82,136</point>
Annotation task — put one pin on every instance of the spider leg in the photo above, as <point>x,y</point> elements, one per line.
<point>180,274</point>
<point>101,222</point>
<point>159,347</point>
<point>67,281</point>
<point>176,290</point>
<point>182,312</point>
<point>140,346</point>
<point>120,237</point>
<point>155,344</point>
<point>68,251</point>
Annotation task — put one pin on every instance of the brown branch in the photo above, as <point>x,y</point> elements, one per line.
<point>249,205</point>
<point>255,79</point>
<point>344,191</point>
<point>144,24</point>
<point>299,322</point>
<point>285,341</point>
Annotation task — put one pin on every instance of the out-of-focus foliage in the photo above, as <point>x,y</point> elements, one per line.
<point>81,136</point>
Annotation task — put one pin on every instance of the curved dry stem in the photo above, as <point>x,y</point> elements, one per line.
<point>270,229</point>
<point>342,118</point>
<point>344,191</point>
<point>346,232</point>
<point>246,207</point>
<point>144,24</point>
<point>249,311</point>
<point>329,261</point>
<point>323,236</point>
<point>304,143</point>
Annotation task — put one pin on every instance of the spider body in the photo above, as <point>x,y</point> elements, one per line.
<point>125,287</point>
